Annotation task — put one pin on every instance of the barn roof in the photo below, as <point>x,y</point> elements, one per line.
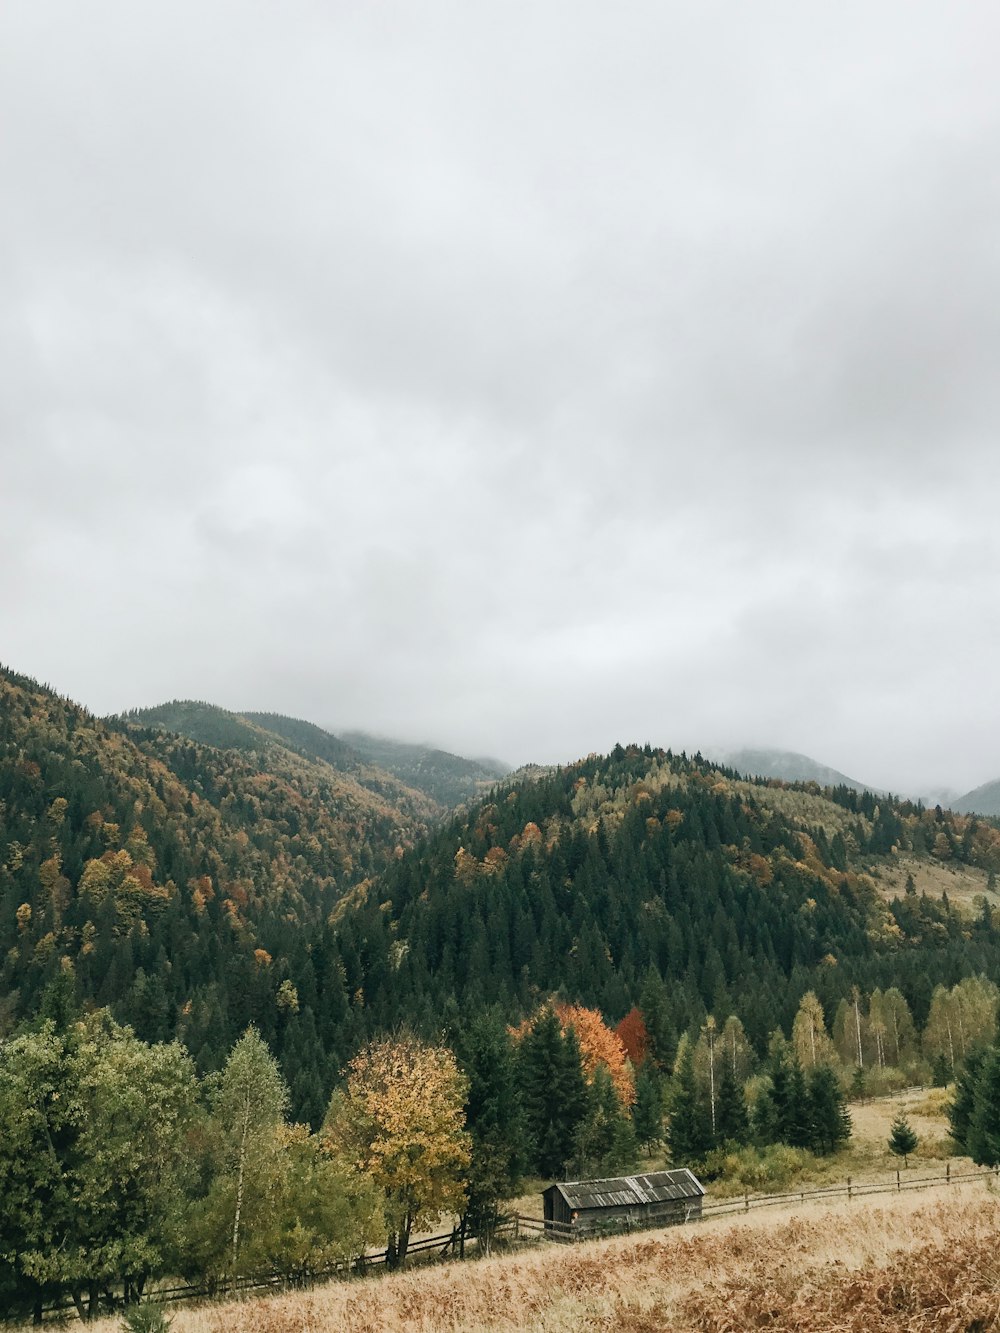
<point>625,1191</point>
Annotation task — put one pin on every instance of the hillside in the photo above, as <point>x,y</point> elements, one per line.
<point>194,889</point>
<point>269,734</point>
<point>447,778</point>
<point>173,880</point>
<point>644,872</point>
<point>984,800</point>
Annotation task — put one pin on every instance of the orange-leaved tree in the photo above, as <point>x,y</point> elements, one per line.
<point>634,1036</point>
<point>599,1045</point>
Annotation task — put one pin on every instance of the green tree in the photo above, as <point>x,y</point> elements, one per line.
<point>606,1142</point>
<point>647,1112</point>
<point>495,1121</point>
<point>829,1118</point>
<point>553,1092</point>
<point>962,1106</point>
<point>94,1167</point>
<point>689,1128</point>
<point>249,1108</point>
<point>902,1139</point>
<point>732,1121</point>
<point>982,1140</point>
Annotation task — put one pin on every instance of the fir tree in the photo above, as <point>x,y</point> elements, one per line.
<point>732,1123</point>
<point>689,1129</point>
<point>647,1112</point>
<point>902,1139</point>
<point>830,1120</point>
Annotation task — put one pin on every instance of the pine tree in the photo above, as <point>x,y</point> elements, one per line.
<point>647,1113</point>
<point>689,1129</point>
<point>902,1139</point>
<point>830,1120</point>
<point>731,1112</point>
<point>982,1141</point>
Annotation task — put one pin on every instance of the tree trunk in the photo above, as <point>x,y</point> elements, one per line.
<point>239,1181</point>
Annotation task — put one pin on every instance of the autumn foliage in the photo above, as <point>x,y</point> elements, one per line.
<point>632,1034</point>
<point>599,1045</point>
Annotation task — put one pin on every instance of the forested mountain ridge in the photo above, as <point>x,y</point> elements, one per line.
<point>645,872</point>
<point>263,734</point>
<point>144,871</point>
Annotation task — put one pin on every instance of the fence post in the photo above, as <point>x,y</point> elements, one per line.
<point>897,1180</point>
<point>746,1201</point>
<point>849,1194</point>
<point>947,1173</point>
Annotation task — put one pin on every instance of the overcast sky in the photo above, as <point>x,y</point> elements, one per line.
<point>520,375</point>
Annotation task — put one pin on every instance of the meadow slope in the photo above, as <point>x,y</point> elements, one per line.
<point>917,1262</point>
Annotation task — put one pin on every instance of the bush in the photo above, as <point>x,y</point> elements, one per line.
<point>758,1170</point>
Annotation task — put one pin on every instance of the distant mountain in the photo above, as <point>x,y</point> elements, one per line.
<point>446,778</point>
<point>271,735</point>
<point>984,800</point>
<point>786,765</point>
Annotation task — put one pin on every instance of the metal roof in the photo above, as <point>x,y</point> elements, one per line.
<point>625,1191</point>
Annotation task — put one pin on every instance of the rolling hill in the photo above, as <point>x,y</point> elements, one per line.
<point>786,765</point>
<point>447,778</point>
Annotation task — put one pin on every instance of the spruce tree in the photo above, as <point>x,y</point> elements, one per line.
<point>494,1119</point>
<point>830,1120</point>
<point>902,1139</point>
<point>553,1093</point>
<point>732,1125</point>
<point>961,1109</point>
<point>647,1113</point>
<point>982,1141</point>
<point>689,1130</point>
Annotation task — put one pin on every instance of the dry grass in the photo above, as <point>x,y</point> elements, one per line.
<point>915,1262</point>
<point>962,883</point>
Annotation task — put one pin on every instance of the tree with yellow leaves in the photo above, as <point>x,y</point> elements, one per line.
<point>399,1119</point>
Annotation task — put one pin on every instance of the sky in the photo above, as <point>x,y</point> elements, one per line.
<point>523,377</point>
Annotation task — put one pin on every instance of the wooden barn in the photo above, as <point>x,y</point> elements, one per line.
<point>627,1202</point>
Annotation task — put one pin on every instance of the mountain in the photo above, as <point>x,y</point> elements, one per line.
<point>446,778</point>
<point>984,800</point>
<point>786,765</point>
<point>643,874</point>
<point>271,734</point>
<point>178,882</point>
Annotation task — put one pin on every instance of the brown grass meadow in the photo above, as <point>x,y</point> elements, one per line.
<point>924,1261</point>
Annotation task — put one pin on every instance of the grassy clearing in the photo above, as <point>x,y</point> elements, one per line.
<point>920,1262</point>
<point>962,883</point>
